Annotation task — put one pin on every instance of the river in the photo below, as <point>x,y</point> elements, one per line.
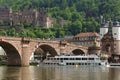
<point>45,72</point>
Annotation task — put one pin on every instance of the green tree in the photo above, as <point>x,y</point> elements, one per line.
<point>1,22</point>
<point>12,32</point>
<point>75,27</point>
<point>3,33</point>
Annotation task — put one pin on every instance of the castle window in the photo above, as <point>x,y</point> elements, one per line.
<point>115,33</point>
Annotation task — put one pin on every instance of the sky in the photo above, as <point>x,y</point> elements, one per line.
<point>2,52</point>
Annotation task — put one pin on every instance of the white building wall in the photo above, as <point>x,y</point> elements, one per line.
<point>103,31</point>
<point>116,33</point>
<point>116,36</point>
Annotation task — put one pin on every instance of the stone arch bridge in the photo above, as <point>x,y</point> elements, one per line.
<point>19,50</point>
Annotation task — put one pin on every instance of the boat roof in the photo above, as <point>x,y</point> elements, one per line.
<point>79,56</point>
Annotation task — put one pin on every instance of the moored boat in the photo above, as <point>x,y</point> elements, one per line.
<point>92,60</point>
<point>114,64</point>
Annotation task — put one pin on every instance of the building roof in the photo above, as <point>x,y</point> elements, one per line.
<point>87,34</point>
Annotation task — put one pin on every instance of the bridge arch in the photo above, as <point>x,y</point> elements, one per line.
<point>48,50</point>
<point>78,52</point>
<point>13,56</point>
<point>44,51</point>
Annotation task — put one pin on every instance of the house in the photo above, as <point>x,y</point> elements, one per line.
<point>86,39</point>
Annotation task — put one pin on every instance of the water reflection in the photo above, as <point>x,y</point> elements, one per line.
<point>114,73</point>
<point>70,73</point>
<point>44,72</point>
<point>15,73</point>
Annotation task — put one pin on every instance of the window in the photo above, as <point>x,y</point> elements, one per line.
<point>115,33</point>
<point>84,58</point>
<point>78,58</point>
<point>91,58</point>
<point>48,58</point>
<point>61,58</point>
<point>65,58</point>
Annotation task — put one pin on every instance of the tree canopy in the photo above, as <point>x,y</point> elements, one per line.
<point>84,16</point>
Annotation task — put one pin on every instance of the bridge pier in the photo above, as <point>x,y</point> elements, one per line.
<point>25,55</point>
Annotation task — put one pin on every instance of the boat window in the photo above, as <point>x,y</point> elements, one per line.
<point>72,63</point>
<point>51,58</point>
<point>61,58</point>
<point>85,63</point>
<point>91,58</point>
<point>79,63</point>
<point>78,58</point>
<point>71,58</point>
<point>65,58</point>
<point>88,63</point>
<point>48,58</point>
<point>82,63</point>
<point>57,58</point>
<point>84,58</point>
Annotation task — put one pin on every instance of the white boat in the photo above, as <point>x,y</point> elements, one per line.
<point>76,60</point>
<point>114,64</point>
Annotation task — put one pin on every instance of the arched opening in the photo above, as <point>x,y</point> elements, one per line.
<point>42,52</point>
<point>78,52</point>
<point>12,55</point>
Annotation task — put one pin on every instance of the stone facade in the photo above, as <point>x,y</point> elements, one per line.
<point>107,44</point>
<point>86,39</point>
<point>5,16</point>
<point>34,17</point>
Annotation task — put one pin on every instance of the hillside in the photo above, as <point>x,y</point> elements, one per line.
<point>84,16</point>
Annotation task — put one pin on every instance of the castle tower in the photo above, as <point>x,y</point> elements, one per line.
<point>103,29</point>
<point>107,40</point>
<point>116,36</point>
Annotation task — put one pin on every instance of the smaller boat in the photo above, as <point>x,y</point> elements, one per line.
<point>92,60</point>
<point>114,60</point>
<point>114,64</point>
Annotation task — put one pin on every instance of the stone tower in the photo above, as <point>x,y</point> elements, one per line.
<point>116,36</point>
<point>107,40</point>
<point>110,37</point>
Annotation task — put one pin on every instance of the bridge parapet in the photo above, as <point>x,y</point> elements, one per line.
<point>25,40</point>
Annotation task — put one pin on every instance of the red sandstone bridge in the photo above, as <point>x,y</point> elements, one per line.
<point>19,50</point>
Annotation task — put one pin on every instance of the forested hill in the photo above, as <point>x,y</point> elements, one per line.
<point>83,14</point>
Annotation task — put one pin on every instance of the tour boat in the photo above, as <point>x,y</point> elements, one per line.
<point>76,60</point>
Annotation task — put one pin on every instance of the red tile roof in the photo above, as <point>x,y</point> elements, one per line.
<point>87,34</point>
